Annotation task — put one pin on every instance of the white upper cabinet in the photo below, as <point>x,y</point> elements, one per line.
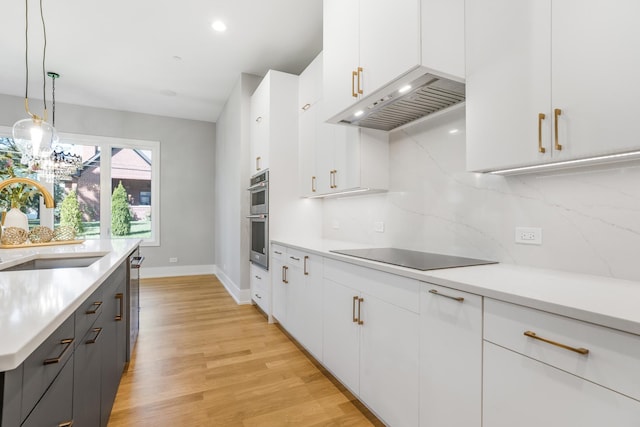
<point>549,81</point>
<point>259,127</point>
<point>369,44</point>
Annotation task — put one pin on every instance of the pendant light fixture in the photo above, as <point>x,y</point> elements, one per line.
<point>34,136</point>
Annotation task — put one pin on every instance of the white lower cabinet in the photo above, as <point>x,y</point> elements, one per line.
<point>541,369</point>
<point>259,282</point>
<point>450,357</point>
<point>371,331</point>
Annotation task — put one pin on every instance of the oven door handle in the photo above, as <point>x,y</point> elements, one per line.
<point>257,186</point>
<point>261,216</point>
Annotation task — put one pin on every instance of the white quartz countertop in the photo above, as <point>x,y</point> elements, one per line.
<point>33,303</point>
<point>604,301</point>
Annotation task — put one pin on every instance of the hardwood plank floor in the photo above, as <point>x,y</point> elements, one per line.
<point>203,360</point>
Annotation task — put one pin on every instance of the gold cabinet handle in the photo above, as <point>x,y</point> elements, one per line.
<point>360,70</point>
<point>93,340</point>
<point>305,107</point>
<point>306,258</point>
<point>313,184</point>
<point>580,350</point>
<point>556,113</point>
<point>277,252</point>
<point>360,301</point>
<point>257,296</point>
<point>354,76</point>
<point>353,309</point>
<point>332,179</point>
<point>284,274</point>
<point>120,298</point>
<point>294,258</point>
<point>541,149</point>
<point>67,345</point>
<point>435,292</point>
<point>66,424</point>
<point>258,119</point>
<point>258,163</point>
<point>96,306</point>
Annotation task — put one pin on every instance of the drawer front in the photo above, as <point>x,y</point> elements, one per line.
<point>612,358</point>
<point>295,258</point>
<point>44,364</point>
<point>278,252</point>
<point>88,312</point>
<point>259,281</point>
<point>396,290</point>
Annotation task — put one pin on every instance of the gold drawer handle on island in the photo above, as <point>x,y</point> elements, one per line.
<point>556,113</point>
<point>67,344</point>
<point>580,350</point>
<point>120,298</point>
<point>541,117</point>
<point>93,340</point>
<point>459,299</point>
<point>97,305</point>
<point>66,424</point>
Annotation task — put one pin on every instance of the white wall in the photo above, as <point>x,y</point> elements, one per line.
<point>231,198</point>
<point>590,218</point>
<point>186,183</point>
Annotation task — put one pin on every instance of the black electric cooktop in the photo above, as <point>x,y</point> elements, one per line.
<point>412,259</point>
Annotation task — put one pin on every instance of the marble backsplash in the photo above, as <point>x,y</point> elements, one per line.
<point>590,218</point>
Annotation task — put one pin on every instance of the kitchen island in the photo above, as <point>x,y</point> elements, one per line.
<point>64,330</point>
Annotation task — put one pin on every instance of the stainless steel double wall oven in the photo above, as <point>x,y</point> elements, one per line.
<point>259,218</point>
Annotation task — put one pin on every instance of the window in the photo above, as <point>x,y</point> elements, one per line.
<point>108,163</point>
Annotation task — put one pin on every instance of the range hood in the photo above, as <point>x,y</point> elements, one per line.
<point>416,95</point>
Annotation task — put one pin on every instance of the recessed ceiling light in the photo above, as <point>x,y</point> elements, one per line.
<point>358,113</point>
<point>454,131</point>
<point>404,89</point>
<point>219,26</point>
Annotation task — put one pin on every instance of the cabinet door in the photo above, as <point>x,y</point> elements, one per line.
<point>450,357</point>
<point>56,406</point>
<point>279,290</point>
<point>341,54</point>
<point>259,126</point>
<point>518,391</point>
<point>508,82</point>
<point>595,67</point>
<point>86,381</point>
<point>295,303</point>
<point>389,41</point>
<point>389,361</point>
<point>308,127</point>
<point>312,309</point>
<point>341,351</point>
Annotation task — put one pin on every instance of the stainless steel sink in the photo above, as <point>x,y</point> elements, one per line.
<point>51,262</point>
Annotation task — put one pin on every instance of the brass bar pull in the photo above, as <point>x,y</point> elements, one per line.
<point>67,345</point>
<point>360,70</point>
<point>354,75</point>
<point>313,184</point>
<point>66,424</point>
<point>284,274</point>
<point>435,292</point>
<point>97,305</point>
<point>294,258</point>
<point>258,277</point>
<point>95,338</point>
<point>277,252</point>
<point>305,107</point>
<point>580,350</point>
<point>258,163</point>
<point>258,119</point>
<point>556,113</point>
<point>360,301</point>
<point>353,309</point>
<point>332,179</point>
<point>120,298</point>
<point>306,258</point>
<point>541,149</point>
<point>258,296</point>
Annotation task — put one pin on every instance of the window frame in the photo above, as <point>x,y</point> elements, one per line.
<point>107,144</point>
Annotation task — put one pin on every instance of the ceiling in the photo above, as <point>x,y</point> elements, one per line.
<point>164,60</point>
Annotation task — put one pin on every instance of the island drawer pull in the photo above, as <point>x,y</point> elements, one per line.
<point>67,345</point>
<point>306,258</point>
<point>435,292</point>
<point>294,258</point>
<point>95,338</point>
<point>360,301</point>
<point>120,298</point>
<point>66,424</point>
<point>97,306</point>
<point>353,311</point>
<point>579,350</point>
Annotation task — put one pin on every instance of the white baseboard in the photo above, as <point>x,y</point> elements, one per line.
<point>185,270</point>
<point>241,296</point>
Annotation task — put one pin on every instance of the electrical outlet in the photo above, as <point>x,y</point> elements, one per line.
<point>529,235</point>
<point>378,227</point>
<point>173,259</point>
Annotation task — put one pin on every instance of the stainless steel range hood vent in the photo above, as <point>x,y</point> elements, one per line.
<point>424,95</point>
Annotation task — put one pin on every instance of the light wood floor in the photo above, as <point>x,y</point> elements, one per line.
<point>203,360</point>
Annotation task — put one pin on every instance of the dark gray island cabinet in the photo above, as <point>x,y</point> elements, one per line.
<point>73,376</point>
